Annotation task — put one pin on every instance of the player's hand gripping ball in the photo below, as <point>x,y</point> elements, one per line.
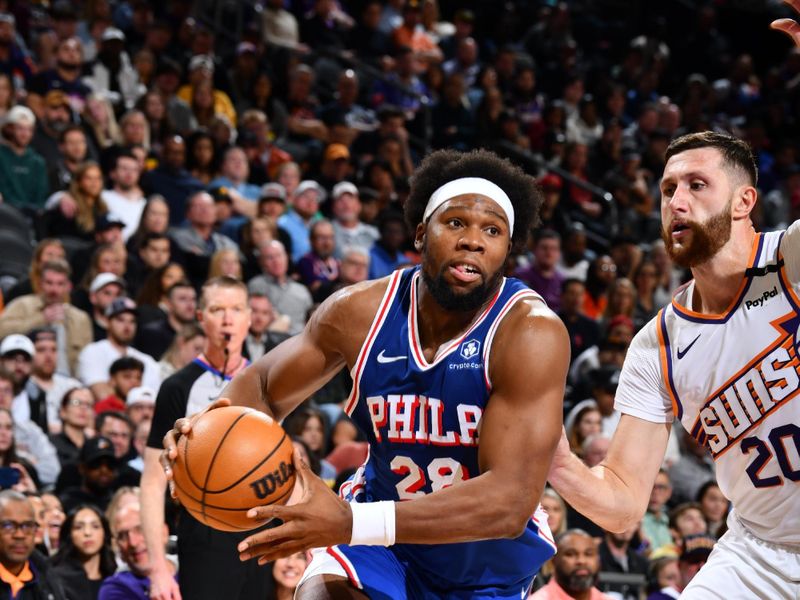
<point>233,459</point>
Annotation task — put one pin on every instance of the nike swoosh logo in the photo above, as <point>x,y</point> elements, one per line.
<point>682,353</point>
<point>388,359</point>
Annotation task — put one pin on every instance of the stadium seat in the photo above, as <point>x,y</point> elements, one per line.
<point>17,253</point>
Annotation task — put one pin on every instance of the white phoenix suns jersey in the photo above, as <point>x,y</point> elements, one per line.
<point>732,380</point>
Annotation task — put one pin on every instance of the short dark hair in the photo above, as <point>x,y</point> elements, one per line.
<point>126,363</point>
<point>151,236</point>
<point>104,416</point>
<point>571,281</point>
<point>676,512</point>
<point>57,266</point>
<point>545,234</point>
<point>181,283</point>
<point>736,153</point>
<point>69,129</point>
<point>446,165</point>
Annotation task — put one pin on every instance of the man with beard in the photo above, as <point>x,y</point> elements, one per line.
<point>155,337</point>
<point>436,354</point>
<point>720,358</point>
<point>23,174</point>
<point>319,266</point>
<point>98,467</point>
<point>126,199</point>
<point>575,568</point>
<point>66,77</point>
<point>45,377</point>
<point>56,117</point>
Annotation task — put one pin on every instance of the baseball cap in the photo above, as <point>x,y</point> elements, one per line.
<point>96,448</point>
<point>201,61</point>
<point>119,306</point>
<point>344,187</point>
<point>696,548</point>
<point>605,377</point>
<point>16,342</point>
<point>112,33</point>
<point>101,280</point>
<point>141,395</point>
<point>55,98</point>
<point>310,184</point>
<point>220,194</point>
<point>337,152</point>
<point>551,181</point>
<point>107,221</point>
<point>273,191</point>
<point>20,114</point>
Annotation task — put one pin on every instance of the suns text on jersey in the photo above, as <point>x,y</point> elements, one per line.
<point>417,419</point>
<point>767,382</point>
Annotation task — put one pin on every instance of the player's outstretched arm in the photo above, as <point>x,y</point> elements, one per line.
<point>613,494</point>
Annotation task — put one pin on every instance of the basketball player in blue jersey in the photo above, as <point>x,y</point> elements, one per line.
<point>724,359</point>
<point>458,383</point>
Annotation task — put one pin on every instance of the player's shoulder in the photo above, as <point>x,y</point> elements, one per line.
<point>530,331</point>
<point>360,300</point>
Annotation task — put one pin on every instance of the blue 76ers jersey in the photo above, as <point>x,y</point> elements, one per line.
<point>421,420</point>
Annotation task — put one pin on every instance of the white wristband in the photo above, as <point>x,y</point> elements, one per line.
<point>373,523</point>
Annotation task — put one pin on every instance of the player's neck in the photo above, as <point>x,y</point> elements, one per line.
<point>438,325</point>
<point>718,280</point>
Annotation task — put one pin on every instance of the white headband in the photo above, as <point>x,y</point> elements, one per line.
<point>470,185</point>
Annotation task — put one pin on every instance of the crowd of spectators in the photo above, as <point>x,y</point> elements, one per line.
<point>146,148</point>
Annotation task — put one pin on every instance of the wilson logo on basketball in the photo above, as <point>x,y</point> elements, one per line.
<point>267,485</point>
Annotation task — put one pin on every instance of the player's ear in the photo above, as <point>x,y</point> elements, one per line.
<point>419,236</point>
<point>744,201</point>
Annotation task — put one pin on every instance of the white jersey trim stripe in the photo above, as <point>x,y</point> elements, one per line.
<point>413,330</point>
<point>487,344</point>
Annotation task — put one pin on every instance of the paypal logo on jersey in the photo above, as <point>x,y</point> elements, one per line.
<point>470,349</point>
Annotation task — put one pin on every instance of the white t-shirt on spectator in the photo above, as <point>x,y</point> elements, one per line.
<point>129,211</point>
<point>95,360</point>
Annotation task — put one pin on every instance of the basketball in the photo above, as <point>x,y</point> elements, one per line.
<point>233,459</point>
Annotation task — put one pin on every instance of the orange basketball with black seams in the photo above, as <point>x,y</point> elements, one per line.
<point>233,459</point>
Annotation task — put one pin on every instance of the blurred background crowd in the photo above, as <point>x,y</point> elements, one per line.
<point>149,146</point>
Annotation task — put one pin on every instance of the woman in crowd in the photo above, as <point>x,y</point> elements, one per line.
<point>188,343</point>
<point>202,104</point>
<point>582,421</point>
<point>154,289</point>
<point>155,219</point>
<point>84,558</point>
<point>286,574</point>
<point>621,300</point>
<point>225,262</point>
<point>308,424</point>
<point>28,480</point>
<point>715,507</point>
<point>556,511</point>
<point>46,250</point>
<point>78,209</point>
<point>99,122</point>
<point>256,233</point>
<point>663,579</point>
<point>201,156</point>
<point>154,109</point>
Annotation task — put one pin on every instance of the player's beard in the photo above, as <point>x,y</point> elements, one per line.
<point>449,299</point>
<point>707,238</point>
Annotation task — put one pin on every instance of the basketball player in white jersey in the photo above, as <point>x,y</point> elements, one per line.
<point>723,359</point>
